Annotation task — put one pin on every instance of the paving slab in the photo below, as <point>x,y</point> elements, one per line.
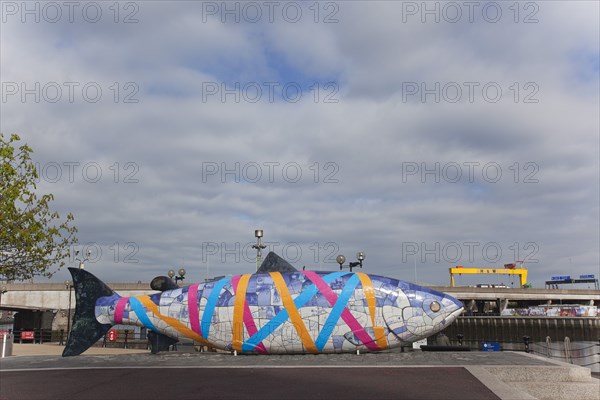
<point>35,349</point>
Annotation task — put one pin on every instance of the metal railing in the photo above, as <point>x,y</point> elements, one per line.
<point>584,353</point>
<point>35,335</point>
<point>123,339</point>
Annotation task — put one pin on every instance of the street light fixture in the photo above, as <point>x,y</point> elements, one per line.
<point>258,233</point>
<point>181,273</point>
<point>360,256</point>
<point>82,262</point>
<point>69,285</point>
<point>2,291</point>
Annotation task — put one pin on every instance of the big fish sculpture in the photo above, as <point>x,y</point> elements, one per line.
<point>274,312</point>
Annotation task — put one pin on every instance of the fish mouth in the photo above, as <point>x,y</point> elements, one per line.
<point>455,314</point>
<point>460,308</point>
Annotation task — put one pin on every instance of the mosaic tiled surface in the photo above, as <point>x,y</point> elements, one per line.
<point>294,312</point>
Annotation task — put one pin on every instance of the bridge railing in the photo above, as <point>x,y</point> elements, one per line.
<point>123,339</point>
<point>35,335</point>
<point>130,339</point>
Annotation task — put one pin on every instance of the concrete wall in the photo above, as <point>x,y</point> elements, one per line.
<point>51,296</point>
<point>24,299</point>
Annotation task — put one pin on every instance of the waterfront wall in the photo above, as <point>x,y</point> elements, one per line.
<point>511,329</point>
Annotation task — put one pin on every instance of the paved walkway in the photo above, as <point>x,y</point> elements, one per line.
<point>39,372</point>
<point>53,349</point>
<point>98,357</point>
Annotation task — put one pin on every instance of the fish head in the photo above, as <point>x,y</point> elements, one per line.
<point>420,312</point>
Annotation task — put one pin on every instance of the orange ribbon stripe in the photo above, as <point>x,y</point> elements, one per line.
<point>292,311</point>
<point>175,323</point>
<point>369,292</point>
<point>238,313</point>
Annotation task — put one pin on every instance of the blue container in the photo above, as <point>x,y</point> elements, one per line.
<point>490,346</point>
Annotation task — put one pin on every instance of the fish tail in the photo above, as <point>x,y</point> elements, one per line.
<point>86,330</point>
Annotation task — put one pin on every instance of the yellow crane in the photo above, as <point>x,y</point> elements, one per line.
<point>509,269</point>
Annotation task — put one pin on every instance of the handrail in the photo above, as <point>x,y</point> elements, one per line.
<point>567,343</point>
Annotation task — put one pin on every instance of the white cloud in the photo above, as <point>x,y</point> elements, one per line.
<point>369,137</point>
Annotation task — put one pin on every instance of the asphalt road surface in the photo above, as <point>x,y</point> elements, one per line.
<point>243,383</point>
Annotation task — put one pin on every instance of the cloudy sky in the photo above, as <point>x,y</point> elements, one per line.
<point>427,135</point>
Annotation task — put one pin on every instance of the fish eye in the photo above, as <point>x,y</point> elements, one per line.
<point>435,306</point>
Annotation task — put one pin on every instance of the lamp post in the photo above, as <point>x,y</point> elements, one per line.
<point>82,262</point>
<point>2,291</point>
<point>178,278</point>
<point>360,256</point>
<point>415,260</point>
<point>258,233</point>
<point>69,285</point>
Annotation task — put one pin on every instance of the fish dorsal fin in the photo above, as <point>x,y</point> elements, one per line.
<point>274,263</point>
<point>163,283</point>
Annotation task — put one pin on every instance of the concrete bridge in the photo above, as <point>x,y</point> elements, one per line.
<point>55,296</point>
<point>47,306</point>
<point>529,296</point>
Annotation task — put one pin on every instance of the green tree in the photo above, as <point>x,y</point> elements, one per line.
<point>33,240</point>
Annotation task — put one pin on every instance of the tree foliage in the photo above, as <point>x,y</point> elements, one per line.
<point>33,240</point>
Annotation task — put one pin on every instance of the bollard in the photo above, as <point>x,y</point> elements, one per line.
<point>6,345</point>
<point>526,342</point>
